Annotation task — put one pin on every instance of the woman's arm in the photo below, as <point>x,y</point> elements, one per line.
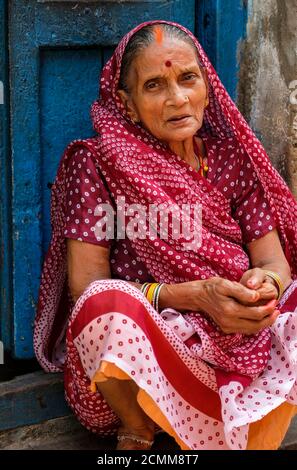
<point>220,298</point>
<point>86,262</point>
<point>266,253</point>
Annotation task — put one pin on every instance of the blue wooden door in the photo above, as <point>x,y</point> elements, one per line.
<point>56,51</point>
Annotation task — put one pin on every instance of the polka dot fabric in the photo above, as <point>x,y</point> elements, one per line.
<point>112,321</point>
<point>233,175</point>
<point>86,191</point>
<point>133,163</point>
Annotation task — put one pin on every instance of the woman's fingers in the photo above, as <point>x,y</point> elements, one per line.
<point>225,304</point>
<point>256,313</point>
<point>268,291</point>
<point>253,278</point>
<point>249,327</point>
<point>247,324</point>
<point>266,310</point>
<point>239,292</point>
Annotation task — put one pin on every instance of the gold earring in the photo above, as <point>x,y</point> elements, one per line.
<point>186,98</point>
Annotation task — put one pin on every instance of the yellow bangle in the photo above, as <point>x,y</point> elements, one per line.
<point>277,280</point>
<point>150,292</point>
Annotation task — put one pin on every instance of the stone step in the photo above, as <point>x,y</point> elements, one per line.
<point>33,398</point>
<point>66,433</point>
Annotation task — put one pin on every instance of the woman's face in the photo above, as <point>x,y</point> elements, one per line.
<point>168,92</point>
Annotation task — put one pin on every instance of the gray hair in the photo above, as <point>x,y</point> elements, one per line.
<point>141,40</point>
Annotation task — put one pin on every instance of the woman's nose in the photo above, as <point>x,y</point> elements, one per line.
<point>176,97</point>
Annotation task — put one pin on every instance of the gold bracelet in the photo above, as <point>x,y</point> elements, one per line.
<point>277,280</point>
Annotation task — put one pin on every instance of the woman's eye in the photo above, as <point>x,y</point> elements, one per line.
<point>151,85</point>
<point>189,76</point>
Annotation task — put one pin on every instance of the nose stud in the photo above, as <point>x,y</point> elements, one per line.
<point>186,98</point>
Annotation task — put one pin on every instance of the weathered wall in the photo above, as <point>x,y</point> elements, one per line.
<point>268,70</point>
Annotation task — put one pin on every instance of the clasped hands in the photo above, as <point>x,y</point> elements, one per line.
<point>241,307</point>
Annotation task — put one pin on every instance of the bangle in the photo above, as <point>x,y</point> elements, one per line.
<point>151,291</point>
<point>157,295</point>
<point>277,281</point>
<point>144,288</point>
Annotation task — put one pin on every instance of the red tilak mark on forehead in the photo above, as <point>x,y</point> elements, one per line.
<point>168,63</point>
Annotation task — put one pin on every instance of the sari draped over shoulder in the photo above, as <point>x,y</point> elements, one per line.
<point>203,387</point>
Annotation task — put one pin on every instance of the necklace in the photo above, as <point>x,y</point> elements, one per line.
<point>202,167</point>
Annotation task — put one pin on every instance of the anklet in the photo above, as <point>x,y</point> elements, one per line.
<point>133,437</point>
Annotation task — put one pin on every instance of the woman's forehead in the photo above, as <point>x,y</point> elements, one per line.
<point>169,53</point>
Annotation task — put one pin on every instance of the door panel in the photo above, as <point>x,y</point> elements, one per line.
<point>5,192</point>
<point>64,110</point>
<point>220,27</point>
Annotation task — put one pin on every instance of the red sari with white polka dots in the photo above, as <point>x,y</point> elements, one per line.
<point>177,360</point>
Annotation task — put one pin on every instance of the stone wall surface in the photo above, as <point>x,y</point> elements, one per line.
<point>267,90</point>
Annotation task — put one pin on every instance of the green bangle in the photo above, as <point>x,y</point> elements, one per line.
<point>144,287</point>
<point>156,296</point>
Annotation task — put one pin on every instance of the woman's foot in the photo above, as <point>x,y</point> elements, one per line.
<point>138,439</point>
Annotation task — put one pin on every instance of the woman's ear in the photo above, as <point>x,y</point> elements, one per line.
<point>123,97</point>
<point>205,78</point>
<point>129,105</point>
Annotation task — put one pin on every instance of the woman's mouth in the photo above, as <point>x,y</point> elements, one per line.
<point>179,120</point>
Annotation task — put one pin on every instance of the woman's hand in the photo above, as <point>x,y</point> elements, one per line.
<point>257,280</point>
<point>230,304</point>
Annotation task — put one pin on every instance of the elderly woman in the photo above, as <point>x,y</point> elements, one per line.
<point>198,340</point>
